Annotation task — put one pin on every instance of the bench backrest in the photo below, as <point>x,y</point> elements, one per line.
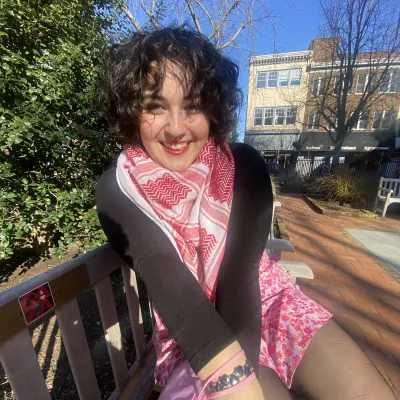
<point>391,184</point>
<point>66,281</point>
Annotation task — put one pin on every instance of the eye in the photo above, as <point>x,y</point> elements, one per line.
<point>194,108</point>
<point>153,107</point>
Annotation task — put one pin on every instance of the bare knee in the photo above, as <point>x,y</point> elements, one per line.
<point>335,368</point>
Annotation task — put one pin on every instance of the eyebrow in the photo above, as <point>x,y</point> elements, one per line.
<point>158,97</point>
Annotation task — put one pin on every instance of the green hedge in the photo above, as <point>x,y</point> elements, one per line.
<point>53,144</point>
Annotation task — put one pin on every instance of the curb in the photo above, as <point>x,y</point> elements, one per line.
<point>321,210</point>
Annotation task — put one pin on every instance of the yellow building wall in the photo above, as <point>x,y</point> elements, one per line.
<point>294,96</point>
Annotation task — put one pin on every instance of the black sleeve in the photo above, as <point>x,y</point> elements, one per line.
<point>190,317</point>
<point>238,297</point>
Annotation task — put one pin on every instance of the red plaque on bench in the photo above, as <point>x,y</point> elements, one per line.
<point>36,303</point>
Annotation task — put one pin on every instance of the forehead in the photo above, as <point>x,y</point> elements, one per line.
<point>168,75</point>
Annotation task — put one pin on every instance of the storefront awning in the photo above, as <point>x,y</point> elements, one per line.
<point>356,142</point>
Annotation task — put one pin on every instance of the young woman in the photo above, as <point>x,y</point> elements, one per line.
<point>191,215</point>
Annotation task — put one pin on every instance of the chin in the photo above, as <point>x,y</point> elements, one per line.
<point>177,168</point>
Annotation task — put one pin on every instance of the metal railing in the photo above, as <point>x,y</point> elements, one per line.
<point>318,168</point>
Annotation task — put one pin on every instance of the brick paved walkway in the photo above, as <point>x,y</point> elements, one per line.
<point>363,294</point>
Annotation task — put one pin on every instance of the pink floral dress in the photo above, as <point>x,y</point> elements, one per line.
<point>289,321</point>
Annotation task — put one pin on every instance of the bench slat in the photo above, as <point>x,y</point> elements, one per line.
<point>74,339</point>
<point>21,366</point>
<point>112,330</point>
<point>135,312</point>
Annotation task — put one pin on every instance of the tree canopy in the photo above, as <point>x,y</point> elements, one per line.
<point>53,145</point>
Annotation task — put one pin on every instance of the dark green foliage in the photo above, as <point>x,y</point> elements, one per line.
<point>342,187</point>
<point>53,144</point>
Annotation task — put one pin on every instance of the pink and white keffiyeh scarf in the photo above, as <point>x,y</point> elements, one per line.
<point>192,207</point>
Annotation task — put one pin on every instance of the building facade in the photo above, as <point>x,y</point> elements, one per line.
<point>273,115</point>
<point>282,107</point>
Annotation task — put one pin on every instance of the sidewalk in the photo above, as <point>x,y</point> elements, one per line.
<point>363,293</point>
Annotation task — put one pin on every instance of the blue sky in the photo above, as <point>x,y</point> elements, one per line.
<point>296,26</point>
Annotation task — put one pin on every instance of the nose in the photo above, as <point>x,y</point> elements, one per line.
<point>175,127</point>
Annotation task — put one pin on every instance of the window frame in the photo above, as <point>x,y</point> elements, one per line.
<point>361,119</point>
<point>370,79</point>
<point>287,73</point>
<point>257,117</point>
<point>258,80</point>
<point>382,119</point>
<point>272,78</point>
<point>296,79</point>
<point>284,110</point>
<point>320,87</point>
<point>394,80</point>
<point>315,121</point>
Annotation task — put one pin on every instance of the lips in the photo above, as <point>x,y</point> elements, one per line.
<point>175,148</point>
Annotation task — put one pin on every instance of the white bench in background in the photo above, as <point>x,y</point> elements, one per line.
<point>388,193</point>
<point>275,247</point>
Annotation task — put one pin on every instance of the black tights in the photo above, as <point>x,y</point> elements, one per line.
<point>200,330</point>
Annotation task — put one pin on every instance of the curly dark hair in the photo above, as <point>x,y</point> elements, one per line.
<point>139,65</point>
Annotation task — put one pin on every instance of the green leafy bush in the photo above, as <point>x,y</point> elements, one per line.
<point>53,145</point>
<point>342,187</point>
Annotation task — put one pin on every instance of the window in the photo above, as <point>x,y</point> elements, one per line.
<point>282,78</point>
<point>258,116</point>
<point>382,119</point>
<point>362,121</point>
<point>275,116</point>
<point>386,120</point>
<point>272,78</point>
<point>362,80</point>
<point>365,82</point>
<point>336,88</point>
<point>332,121</point>
<point>269,116</point>
<point>313,121</point>
<point>295,75</point>
<point>291,116</point>
<point>318,86</point>
<point>391,82</point>
<point>279,116</point>
<point>261,79</point>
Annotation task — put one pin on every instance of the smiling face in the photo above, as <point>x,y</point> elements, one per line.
<point>173,127</point>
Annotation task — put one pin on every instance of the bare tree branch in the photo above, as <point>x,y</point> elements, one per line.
<point>131,18</point>
<point>193,15</point>
<point>223,19</point>
<point>236,34</point>
<point>206,13</point>
<point>150,14</point>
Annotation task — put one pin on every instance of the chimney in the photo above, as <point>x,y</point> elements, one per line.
<point>323,48</point>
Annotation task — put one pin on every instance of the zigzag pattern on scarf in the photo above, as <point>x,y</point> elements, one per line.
<point>166,191</point>
<point>208,242</point>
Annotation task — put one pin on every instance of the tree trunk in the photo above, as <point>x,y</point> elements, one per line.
<point>336,152</point>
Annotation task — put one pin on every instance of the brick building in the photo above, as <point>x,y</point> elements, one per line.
<point>283,99</point>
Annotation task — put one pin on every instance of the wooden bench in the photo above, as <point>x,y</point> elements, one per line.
<point>66,281</point>
<point>388,193</point>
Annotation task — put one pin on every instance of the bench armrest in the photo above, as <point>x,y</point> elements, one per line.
<point>275,247</point>
<point>297,269</point>
<point>385,189</point>
<point>280,245</point>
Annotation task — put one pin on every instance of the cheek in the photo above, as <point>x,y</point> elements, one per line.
<point>148,128</point>
<point>203,128</point>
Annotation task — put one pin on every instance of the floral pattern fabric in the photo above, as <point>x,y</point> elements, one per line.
<point>289,321</point>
